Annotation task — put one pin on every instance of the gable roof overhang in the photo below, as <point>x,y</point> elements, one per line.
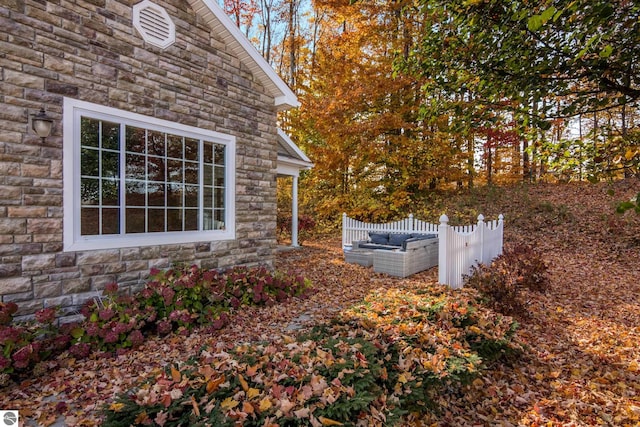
<point>291,160</point>
<point>218,20</point>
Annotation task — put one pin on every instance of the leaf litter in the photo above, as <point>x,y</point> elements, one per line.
<point>581,366</point>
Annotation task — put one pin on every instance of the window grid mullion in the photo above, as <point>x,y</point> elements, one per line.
<point>183,214</point>
<point>165,184</point>
<point>123,171</point>
<point>146,180</point>
<point>100,210</point>
<point>201,185</point>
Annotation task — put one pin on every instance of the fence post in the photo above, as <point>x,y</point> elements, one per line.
<point>443,267</point>
<point>501,227</point>
<point>480,231</point>
<point>411,223</point>
<point>344,229</point>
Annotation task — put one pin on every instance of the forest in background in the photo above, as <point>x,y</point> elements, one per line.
<point>401,99</point>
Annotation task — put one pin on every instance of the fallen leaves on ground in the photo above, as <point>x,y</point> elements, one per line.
<point>581,366</point>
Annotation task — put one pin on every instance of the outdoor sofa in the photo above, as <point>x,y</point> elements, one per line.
<point>396,254</point>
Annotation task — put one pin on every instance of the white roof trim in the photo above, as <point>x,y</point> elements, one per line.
<point>289,143</point>
<point>291,167</point>
<point>246,52</point>
<point>294,162</point>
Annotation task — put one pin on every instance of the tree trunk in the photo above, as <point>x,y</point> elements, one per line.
<point>266,36</point>
<point>580,147</point>
<point>292,41</point>
<point>470,158</point>
<point>489,161</point>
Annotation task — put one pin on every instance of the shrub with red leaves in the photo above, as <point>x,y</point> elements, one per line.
<point>504,283</point>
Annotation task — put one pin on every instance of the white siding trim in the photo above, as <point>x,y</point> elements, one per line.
<point>218,21</point>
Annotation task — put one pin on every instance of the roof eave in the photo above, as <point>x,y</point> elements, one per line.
<point>284,97</point>
<point>285,102</point>
<point>287,140</point>
<point>301,164</point>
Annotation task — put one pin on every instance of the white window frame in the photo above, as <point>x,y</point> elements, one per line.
<point>73,110</point>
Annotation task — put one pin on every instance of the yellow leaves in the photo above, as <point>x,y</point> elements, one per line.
<point>196,409</point>
<point>384,375</point>
<point>243,382</point>
<point>265,404</point>
<point>252,392</point>
<point>142,418</point>
<point>116,407</point>
<point>229,403</point>
<point>326,357</point>
<point>402,378</point>
<point>329,422</point>
<point>475,330</point>
<point>214,383</point>
<point>175,375</point>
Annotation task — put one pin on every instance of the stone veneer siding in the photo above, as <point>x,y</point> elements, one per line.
<point>89,50</point>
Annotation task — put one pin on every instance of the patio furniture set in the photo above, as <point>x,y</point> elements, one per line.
<point>395,254</point>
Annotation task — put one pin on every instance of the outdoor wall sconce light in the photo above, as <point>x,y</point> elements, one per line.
<point>41,124</point>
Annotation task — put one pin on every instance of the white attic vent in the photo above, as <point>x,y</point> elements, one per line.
<point>154,24</point>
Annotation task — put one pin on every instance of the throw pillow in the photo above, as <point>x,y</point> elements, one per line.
<point>379,238</point>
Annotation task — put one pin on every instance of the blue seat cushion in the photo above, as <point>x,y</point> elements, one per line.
<point>379,238</point>
<point>396,239</point>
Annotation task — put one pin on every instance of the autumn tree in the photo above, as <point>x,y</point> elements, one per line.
<point>546,62</point>
<point>584,52</point>
<point>360,120</point>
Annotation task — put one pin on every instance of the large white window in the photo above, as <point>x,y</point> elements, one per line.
<point>133,180</point>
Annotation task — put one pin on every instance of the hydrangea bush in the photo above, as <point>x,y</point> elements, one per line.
<point>23,346</point>
<point>178,299</point>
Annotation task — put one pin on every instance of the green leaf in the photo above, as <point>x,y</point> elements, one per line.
<point>625,206</point>
<point>557,15</point>
<point>548,14</point>
<point>606,51</point>
<point>77,332</point>
<point>534,23</point>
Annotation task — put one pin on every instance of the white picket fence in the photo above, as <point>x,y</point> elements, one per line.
<point>460,247</point>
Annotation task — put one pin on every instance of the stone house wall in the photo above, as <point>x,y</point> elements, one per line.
<point>89,50</point>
